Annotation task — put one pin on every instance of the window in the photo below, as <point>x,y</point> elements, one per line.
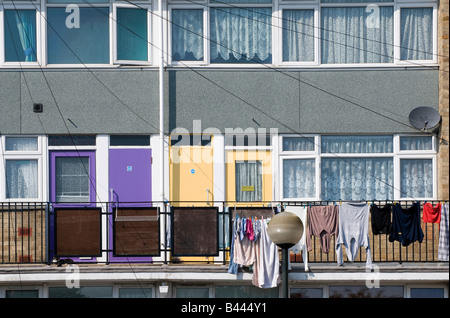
<point>192,292</point>
<point>20,35</point>
<point>364,292</point>
<point>72,177</point>
<point>427,292</point>
<point>132,34</point>
<point>81,292</point>
<point>357,167</point>
<point>416,29</point>
<point>86,43</point>
<point>21,167</point>
<point>135,292</point>
<point>187,35</point>
<point>249,181</point>
<point>298,35</point>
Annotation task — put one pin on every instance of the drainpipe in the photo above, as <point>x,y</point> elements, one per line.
<point>161,100</point>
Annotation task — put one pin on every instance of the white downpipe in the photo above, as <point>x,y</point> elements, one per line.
<point>161,101</point>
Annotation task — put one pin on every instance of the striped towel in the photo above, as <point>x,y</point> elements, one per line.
<point>443,234</point>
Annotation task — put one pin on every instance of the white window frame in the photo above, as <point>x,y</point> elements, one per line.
<point>396,156</point>
<point>20,6</point>
<point>4,289</point>
<point>397,43</point>
<point>116,289</point>
<point>425,286</point>
<point>119,5</point>
<point>205,34</point>
<point>37,155</point>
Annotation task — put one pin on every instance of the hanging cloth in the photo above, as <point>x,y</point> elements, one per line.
<point>322,221</point>
<point>301,212</point>
<point>353,231</point>
<point>431,214</point>
<point>381,219</point>
<point>406,225</point>
<point>443,234</point>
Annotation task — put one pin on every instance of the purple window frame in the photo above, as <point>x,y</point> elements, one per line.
<point>92,183</point>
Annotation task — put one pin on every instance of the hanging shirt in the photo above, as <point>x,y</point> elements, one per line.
<point>322,221</point>
<point>406,225</point>
<point>353,231</point>
<point>381,219</point>
<point>443,234</point>
<point>431,214</point>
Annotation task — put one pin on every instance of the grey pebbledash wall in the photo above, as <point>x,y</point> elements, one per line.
<point>127,101</point>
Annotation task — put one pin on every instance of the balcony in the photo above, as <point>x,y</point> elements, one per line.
<point>189,233</point>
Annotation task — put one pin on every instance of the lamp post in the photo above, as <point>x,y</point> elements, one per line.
<point>285,229</point>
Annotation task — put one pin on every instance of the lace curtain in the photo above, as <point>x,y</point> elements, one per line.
<point>416,178</point>
<point>21,179</point>
<point>416,27</point>
<point>299,178</point>
<point>72,179</point>
<point>187,35</point>
<point>249,181</point>
<point>241,35</point>
<point>298,35</point>
<point>347,37</point>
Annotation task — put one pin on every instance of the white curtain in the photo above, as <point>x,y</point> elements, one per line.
<point>357,144</point>
<point>249,181</point>
<point>187,35</point>
<point>416,29</point>
<point>72,179</point>
<point>299,178</point>
<point>298,35</point>
<point>347,37</point>
<point>240,35</point>
<point>357,179</point>
<point>416,143</point>
<point>21,179</point>
<point>298,144</point>
<point>416,178</point>
<point>21,144</point>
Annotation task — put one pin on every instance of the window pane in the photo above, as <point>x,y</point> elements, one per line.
<point>129,140</point>
<point>241,1</point>
<point>365,292</point>
<point>186,292</point>
<point>21,179</point>
<point>241,35</point>
<point>69,44</point>
<point>416,178</point>
<point>306,293</point>
<point>187,35</point>
<point>245,292</point>
<point>299,178</point>
<point>416,143</point>
<point>72,179</point>
<point>357,144</point>
<point>357,35</point>
<point>357,179</point>
<point>298,35</point>
<point>135,293</point>
<point>21,144</point>
<point>22,294</point>
<point>20,35</point>
<point>416,32</point>
<point>427,293</point>
<point>249,181</point>
<point>298,144</point>
<point>82,292</point>
<point>132,41</point>
<point>77,1</point>
<point>72,140</point>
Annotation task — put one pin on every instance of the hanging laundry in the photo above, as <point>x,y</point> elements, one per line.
<point>431,214</point>
<point>301,212</point>
<point>443,234</point>
<point>381,219</point>
<point>353,231</point>
<point>406,225</point>
<point>322,222</point>
<point>266,272</point>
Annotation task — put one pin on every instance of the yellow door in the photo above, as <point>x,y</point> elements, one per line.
<point>191,180</point>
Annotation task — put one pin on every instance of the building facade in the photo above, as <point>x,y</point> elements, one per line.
<point>133,133</point>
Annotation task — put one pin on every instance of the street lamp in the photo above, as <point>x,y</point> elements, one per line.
<point>285,229</point>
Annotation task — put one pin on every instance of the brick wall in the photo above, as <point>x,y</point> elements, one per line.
<point>443,51</point>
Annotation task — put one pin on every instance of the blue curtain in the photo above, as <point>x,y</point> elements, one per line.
<point>187,35</point>
<point>416,32</point>
<point>20,35</point>
<point>241,35</point>
<point>347,37</point>
<point>298,35</point>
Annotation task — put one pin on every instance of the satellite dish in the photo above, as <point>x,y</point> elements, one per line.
<point>424,118</point>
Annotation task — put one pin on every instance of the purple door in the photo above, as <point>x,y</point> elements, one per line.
<point>130,186</point>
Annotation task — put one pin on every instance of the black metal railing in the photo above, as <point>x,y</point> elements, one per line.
<point>163,232</point>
